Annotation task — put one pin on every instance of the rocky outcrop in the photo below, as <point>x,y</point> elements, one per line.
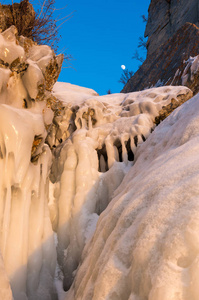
<point>169,64</point>
<point>169,108</point>
<point>165,17</point>
<point>28,73</point>
<point>22,15</point>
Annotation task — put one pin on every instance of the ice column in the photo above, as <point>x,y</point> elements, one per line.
<point>26,237</point>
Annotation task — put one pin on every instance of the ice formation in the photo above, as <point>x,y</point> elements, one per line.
<point>26,231</point>
<point>190,73</point>
<point>26,237</point>
<point>88,167</point>
<point>67,164</point>
<point>146,242</point>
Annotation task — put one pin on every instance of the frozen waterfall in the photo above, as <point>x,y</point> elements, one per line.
<point>96,202</point>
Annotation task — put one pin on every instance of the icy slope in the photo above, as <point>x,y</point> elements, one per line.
<point>146,242</point>
<point>91,164</point>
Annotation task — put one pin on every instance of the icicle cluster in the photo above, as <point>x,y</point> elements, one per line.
<point>146,242</point>
<point>26,236</point>
<point>91,163</point>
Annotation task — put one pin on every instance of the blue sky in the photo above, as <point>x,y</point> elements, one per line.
<point>101,36</point>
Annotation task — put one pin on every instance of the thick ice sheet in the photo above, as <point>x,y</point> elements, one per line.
<point>90,165</point>
<point>27,264</point>
<point>146,242</point>
<point>26,239</point>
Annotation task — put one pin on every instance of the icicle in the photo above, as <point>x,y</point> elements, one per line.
<point>116,154</point>
<point>6,220</point>
<point>110,152</point>
<point>124,151</point>
<point>90,126</point>
<point>132,145</point>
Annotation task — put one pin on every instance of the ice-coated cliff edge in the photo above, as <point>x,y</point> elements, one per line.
<point>90,188</point>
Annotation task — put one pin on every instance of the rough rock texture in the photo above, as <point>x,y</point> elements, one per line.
<point>21,14</point>
<point>168,109</point>
<point>166,17</point>
<point>166,66</point>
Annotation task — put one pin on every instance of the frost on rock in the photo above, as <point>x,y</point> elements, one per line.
<point>190,75</point>
<point>27,71</point>
<point>96,138</point>
<point>146,242</point>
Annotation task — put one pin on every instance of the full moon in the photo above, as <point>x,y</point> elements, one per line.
<point>123,67</point>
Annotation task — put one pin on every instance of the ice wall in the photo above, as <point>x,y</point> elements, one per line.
<point>90,165</point>
<point>26,237</point>
<point>26,240</point>
<point>146,242</point>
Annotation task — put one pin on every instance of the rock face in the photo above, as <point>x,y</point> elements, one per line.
<point>173,36</point>
<point>168,64</point>
<point>166,17</point>
<point>21,14</point>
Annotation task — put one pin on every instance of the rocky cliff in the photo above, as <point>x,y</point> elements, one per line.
<point>167,64</point>
<point>22,15</point>
<point>165,17</point>
<point>173,39</point>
